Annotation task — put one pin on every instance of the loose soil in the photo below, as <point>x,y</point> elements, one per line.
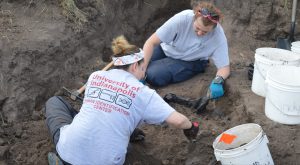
<point>42,50</point>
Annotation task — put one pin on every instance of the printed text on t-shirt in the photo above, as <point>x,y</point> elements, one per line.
<point>119,87</point>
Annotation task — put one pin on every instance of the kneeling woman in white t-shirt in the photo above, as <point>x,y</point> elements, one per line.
<point>115,103</point>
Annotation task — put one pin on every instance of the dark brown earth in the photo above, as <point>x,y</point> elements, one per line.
<point>43,47</point>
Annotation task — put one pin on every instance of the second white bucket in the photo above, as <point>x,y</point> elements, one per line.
<point>249,146</point>
<point>266,58</point>
<point>296,47</point>
<point>282,102</point>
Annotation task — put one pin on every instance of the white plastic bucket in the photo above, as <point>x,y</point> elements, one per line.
<point>296,47</point>
<point>296,44</point>
<point>282,102</point>
<point>296,50</point>
<point>266,58</point>
<point>249,147</point>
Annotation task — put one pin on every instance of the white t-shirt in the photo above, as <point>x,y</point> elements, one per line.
<point>180,41</point>
<point>115,103</point>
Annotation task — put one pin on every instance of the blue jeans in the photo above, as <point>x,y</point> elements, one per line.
<point>58,113</point>
<point>163,70</point>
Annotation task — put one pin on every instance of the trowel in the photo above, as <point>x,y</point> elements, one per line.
<point>285,43</point>
<point>69,93</point>
<point>198,104</point>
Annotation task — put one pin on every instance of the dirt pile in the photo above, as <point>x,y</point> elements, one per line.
<point>41,50</point>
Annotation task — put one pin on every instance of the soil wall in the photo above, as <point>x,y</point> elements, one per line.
<point>44,47</point>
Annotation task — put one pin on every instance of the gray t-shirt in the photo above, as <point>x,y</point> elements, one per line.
<point>115,103</point>
<point>180,41</point>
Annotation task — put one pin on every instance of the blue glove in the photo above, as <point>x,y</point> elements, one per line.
<point>143,80</point>
<point>216,88</point>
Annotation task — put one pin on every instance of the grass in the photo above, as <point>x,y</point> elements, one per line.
<point>71,11</point>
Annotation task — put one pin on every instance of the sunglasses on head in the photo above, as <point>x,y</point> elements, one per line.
<point>213,17</point>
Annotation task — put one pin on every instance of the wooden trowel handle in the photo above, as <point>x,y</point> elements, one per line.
<point>108,66</point>
<point>294,10</point>
<point>104,69</point>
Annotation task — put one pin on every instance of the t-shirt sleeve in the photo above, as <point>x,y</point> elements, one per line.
<point>220,55</point>
<point>168,31</point>
<point>157,110</point>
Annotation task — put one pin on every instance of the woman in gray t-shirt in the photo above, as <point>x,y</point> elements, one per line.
<point>181,47</point>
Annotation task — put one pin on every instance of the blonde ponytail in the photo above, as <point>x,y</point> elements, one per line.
<point>120,46</point>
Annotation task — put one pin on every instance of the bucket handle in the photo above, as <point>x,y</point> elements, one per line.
<point>279,109</point>
<point>284,62</point>
<point>258,69</point>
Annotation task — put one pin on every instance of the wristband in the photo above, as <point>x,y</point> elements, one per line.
<point>218,80</point>
<point>194,124</point>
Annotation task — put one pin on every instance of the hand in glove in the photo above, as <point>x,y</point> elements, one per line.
<point>143,80</point>
<point>137,135</point>
<point>216,88</point>
<point>192,132</point>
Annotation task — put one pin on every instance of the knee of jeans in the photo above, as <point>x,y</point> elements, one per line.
<point>156,76</point>
<point>158,81</point>
<point>52,100</point>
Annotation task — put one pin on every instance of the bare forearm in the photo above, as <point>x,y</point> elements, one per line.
<point>178,120</point>
<point>224,72</point>
<point>148,48</point>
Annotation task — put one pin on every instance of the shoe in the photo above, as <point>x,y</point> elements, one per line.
<point>170,97</point>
